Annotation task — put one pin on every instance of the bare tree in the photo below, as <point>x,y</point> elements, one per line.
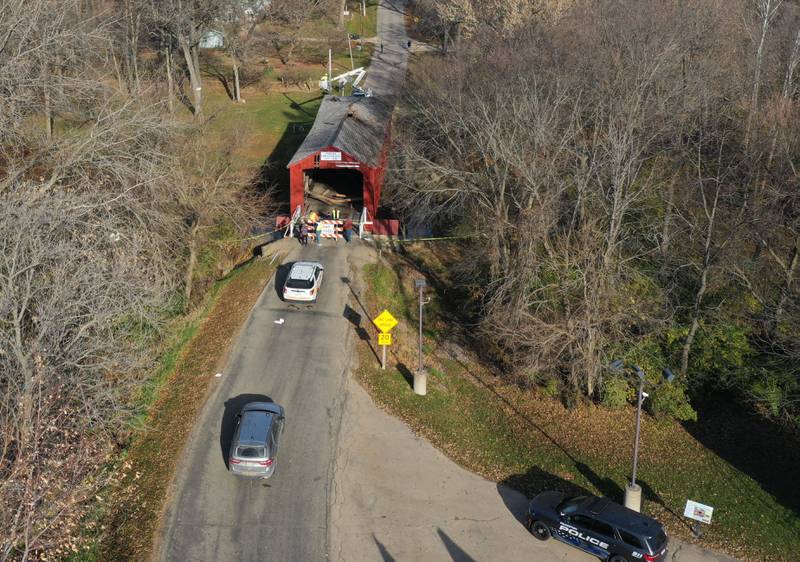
<point>187,21</point>
<point>766,11</point>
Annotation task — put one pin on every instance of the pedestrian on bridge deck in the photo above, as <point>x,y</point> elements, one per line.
<point>304,234</point>
<point>319,233</point>
<point>347,227</point>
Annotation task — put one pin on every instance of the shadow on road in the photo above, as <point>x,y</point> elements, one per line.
<point>457,553</point>
<point>280,277</point>
<point>517,489</point>
<point>228,423</point>
<point>385,556</point>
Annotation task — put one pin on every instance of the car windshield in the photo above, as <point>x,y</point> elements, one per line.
<point>245,452</point>
<point>569,505</point>
<point>299,283</point>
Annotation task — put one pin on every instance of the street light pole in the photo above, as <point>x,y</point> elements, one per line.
<point>633,492</point>
<point>638,426</point>
<point>420,377</point>
<point>419,364</point>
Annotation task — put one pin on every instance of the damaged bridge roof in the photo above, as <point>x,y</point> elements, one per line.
<point>354,125</point>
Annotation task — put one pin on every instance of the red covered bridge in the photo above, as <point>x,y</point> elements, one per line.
<point>345,150</point>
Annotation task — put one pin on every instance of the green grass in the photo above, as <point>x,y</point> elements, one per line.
<point>530,442</point>
<point>365,26</point>
<point>261,122</point>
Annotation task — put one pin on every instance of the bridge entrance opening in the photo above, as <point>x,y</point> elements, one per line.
<point>328,188</point>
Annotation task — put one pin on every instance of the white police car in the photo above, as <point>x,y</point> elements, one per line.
<point>598,526</point>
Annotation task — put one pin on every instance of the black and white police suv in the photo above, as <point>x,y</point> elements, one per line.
<point>599,526</point>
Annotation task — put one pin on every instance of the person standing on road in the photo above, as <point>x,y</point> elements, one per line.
<point>348,229</point>
<point>304,234</point>
<point>381,48</point>
<point>319,233</point>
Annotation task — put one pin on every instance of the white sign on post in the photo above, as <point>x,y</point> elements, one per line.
<point>698,511</point>
<point>330,156</point>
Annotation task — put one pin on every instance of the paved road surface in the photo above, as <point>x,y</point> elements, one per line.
<point>386,72</point>
<point>300,364</point>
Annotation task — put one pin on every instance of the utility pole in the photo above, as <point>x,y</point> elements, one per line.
<point>330,70</point>
<point>350,48</point>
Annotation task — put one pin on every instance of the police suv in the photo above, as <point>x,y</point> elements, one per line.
<point>598,526</point>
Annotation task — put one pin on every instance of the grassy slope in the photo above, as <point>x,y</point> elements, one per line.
<point>365,26</point>
<point>531,442</point>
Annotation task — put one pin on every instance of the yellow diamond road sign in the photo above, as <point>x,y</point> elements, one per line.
<point>385,321</point>
<point>384,339</point>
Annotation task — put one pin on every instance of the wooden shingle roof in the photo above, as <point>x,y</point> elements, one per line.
<point>355,125</point>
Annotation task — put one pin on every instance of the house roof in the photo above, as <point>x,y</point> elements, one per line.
<point>355,125</point>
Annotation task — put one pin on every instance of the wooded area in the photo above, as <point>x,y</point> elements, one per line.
<point>631,169</point>
<point>109,193</point>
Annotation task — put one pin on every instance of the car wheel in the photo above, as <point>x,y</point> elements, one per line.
<point>540,530</point>
<point>617,558</point>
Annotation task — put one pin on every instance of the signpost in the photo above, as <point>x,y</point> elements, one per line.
<point>698,512</point>
<point>384,322</point>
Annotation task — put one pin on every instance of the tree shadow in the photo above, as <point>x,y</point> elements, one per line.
<point>273,176</point>
<point>517,490</point>
<point>385,556</point>
<point>457,553</point>
<point>651,495</point>
<point>762,449</point>
<point>228,422</point>
<point>213,71</point>
<point>606,486</point>
<point>299,105</point>
<point>180,93</point>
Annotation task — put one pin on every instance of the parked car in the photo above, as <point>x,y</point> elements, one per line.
<point>598,526</point>
<point>254,446</point>
<point>303,281</point>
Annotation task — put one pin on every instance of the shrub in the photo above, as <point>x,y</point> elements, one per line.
<point>670,399</point>
<point>617,391</point>
<point>551,388</point>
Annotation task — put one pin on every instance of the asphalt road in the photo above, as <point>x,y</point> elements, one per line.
<point>300,364</point>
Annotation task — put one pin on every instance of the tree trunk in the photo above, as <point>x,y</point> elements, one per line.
<point>188,278</point>
<point>687,346</point>
<point>237,94</point>
<point>170,82</point>
<point>48,115</point>
<point>767,11</point>
<point>193,64</point>
<point>342,6</point>
<point>787,286</point>
<point>666,227</point>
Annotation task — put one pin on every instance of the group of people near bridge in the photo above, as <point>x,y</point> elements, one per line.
<point>311,227</point>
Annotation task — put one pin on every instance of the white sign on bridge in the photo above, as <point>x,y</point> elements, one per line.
<point>330,156</point>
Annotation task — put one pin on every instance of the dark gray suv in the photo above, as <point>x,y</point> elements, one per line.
<point>254,447</point>
<point>598,526</point>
